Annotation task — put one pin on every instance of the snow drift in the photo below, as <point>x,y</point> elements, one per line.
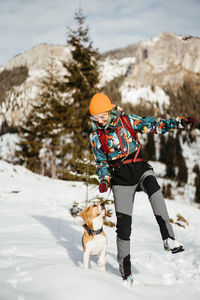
<point>41,251</point>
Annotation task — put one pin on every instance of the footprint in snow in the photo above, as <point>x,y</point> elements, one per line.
<point>21,276</point>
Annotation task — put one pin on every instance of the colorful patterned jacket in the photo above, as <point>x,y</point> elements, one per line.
<point>127,145</point>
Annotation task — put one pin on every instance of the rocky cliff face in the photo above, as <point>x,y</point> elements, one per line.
<point>163,61</point>
<point>17,102</point>
<point>166,59</point>
<point>37,58</point>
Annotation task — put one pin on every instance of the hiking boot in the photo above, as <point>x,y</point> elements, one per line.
<point>128,281</point>
<point>172,245</point>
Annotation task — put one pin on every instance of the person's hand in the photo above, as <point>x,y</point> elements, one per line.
<point>191,120</point>
<point>103,187</point>
<point>187,121</point>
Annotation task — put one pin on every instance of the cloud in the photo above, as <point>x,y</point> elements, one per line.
<point>112,24</point>
<point>146,19</point>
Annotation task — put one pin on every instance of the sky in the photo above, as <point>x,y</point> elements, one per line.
<point>112,23</point>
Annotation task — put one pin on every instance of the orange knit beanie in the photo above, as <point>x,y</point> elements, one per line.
<point>100,103</point>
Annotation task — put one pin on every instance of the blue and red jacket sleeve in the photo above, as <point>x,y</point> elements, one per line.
<point>150,124</point>
<point>100,158</point>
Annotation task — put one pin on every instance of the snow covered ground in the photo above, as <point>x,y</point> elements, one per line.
<point>112,68</point>
<point>146,94</point>
<point>41,251</point>
<point>8,146</point>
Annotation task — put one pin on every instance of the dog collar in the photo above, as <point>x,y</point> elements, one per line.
<point>92,232</point>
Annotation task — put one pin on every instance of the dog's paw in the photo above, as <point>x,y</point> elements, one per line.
<point>102,268</point>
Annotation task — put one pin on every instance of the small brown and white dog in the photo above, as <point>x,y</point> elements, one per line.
<point>94,238</point>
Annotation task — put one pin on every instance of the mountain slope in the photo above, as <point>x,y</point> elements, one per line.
<point>147,67</point>
<point>163,61</point>
<point>41,251</point>
<point>18,99</point>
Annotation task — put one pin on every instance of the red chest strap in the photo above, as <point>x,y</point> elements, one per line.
<point>117,130</point>
<point>128,126</point>
<point>102,134</point>
<point>103,140</point>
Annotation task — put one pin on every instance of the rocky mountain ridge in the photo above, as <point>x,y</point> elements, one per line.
<point>164,60</point>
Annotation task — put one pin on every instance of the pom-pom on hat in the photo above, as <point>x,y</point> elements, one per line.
<point>100,103</point>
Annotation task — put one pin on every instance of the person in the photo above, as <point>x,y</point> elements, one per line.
<point>119,161</point>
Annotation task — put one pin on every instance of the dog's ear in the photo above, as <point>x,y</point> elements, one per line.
<point>84,214</point>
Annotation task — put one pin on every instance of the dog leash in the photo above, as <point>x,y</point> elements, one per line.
<point>108,195</point>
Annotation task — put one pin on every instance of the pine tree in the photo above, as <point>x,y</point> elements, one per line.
<point>81,83</point>
<point>42,131</point>
<point>184,99</point>
<point>197,193</point>
<point>182,175</point>
<point>171,154</point>
<point>162,149</point>
<point>196,170</point>
<point>170,157</point>
<point>149,150</point>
